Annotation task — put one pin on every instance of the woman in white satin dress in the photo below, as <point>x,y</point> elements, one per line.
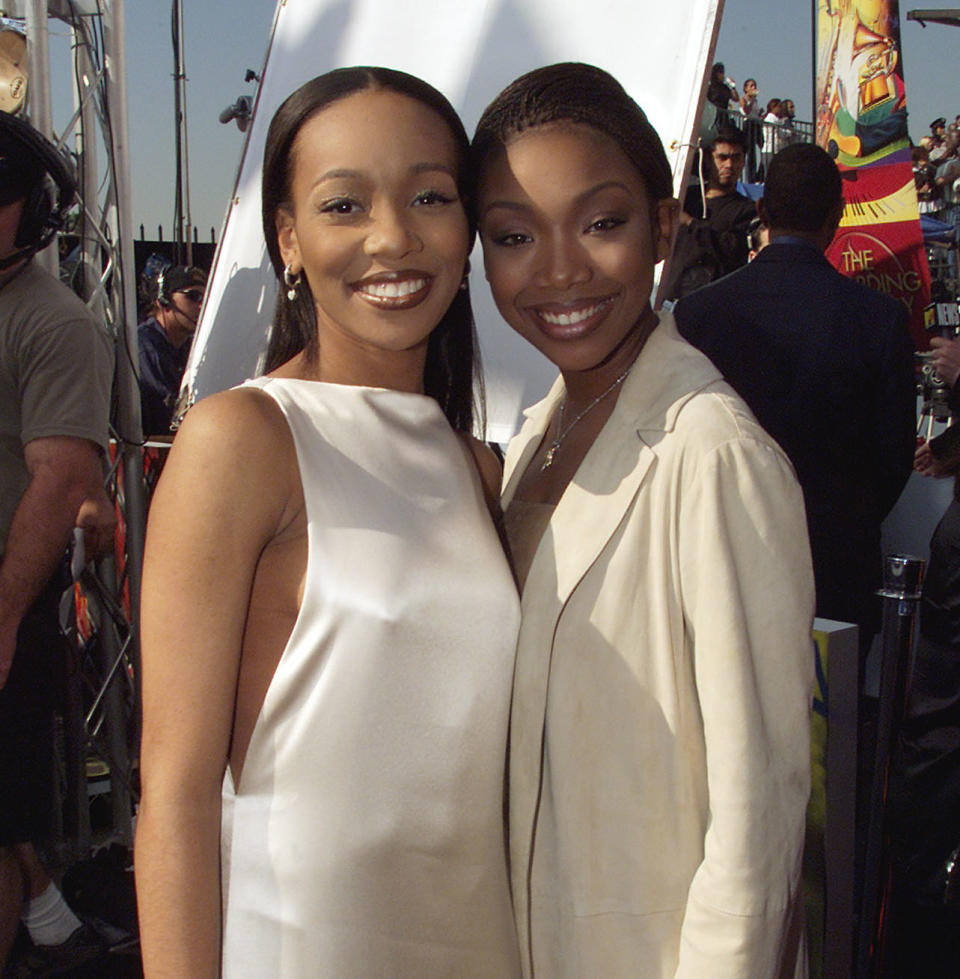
<point>328,619</point>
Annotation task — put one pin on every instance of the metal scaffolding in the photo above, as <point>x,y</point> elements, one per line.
<point>105,278</point>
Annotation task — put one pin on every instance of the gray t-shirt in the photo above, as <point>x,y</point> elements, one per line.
<point>56,369</point>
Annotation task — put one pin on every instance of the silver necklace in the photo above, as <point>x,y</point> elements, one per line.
<point>561,434</point>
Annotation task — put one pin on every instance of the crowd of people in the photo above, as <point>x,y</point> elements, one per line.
<point>767,128</point>
<point>936,171</point>
<point>405,712</point>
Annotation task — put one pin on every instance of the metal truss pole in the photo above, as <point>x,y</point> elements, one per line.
<point>91,251</point>
<point>128,419</point>
<point>114,24</point>
<point>92,261</point>
<point>183,220</point>
<point>38,95</point>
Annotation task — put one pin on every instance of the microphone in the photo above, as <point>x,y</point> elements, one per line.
<point>177,308</point>
<point>16,256</point>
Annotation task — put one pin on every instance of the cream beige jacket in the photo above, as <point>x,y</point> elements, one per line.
<point>660,750</point>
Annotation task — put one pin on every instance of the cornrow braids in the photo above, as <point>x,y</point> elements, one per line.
<point>577,93</point>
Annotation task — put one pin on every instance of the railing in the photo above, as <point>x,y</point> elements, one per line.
<point>764,139</point>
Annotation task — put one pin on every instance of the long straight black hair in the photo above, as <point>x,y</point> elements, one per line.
<point>452,372</point>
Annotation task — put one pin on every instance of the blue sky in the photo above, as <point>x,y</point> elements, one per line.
<point>767,39</point>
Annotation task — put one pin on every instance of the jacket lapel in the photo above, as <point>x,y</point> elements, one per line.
<point>602,489</point>
<point>595,502</point>
<point>523,446</point>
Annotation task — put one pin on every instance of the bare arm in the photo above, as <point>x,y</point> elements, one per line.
<point>64,471</point>
<point>221,499</point>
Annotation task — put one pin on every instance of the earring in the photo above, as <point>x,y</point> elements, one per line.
<point>291,281</point>
<point>465,281</point>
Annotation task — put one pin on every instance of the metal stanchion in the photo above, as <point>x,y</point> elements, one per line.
<point>902,578</point>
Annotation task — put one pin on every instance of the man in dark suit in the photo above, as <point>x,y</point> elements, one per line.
<point>826,364</point>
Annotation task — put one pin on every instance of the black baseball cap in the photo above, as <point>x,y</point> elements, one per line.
<point>180,277</point>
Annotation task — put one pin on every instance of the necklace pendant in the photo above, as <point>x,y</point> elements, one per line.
<point>548,458</point>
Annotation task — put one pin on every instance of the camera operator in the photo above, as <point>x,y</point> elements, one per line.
<point>924,793</point>
<point>56,367</point>
<point>173,296</point>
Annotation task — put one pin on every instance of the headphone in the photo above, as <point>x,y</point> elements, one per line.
<point>47,202</point>
<point>162,297</point>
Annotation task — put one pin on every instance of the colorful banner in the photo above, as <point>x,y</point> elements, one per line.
<point>861,121</point>
<point>861,109</point>
<point>879,242</point>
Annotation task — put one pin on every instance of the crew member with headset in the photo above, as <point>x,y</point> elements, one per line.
<point>173,296</point>
<point>56,369</point>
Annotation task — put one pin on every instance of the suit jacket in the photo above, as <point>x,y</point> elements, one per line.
<point>826,365</point>
<point>659,765</point>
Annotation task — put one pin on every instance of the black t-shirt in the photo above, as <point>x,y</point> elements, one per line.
<point>710,247</point>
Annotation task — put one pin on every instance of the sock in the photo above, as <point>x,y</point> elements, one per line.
<point>48,918</point>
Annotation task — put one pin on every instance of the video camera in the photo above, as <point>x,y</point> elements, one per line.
<point>941,319</point>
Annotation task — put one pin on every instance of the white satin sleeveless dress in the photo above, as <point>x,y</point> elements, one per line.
<point>365,838</point>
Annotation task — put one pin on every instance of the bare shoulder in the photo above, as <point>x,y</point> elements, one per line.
<point>488,466</point>
<point>240,416</point>
<point>237,444</point>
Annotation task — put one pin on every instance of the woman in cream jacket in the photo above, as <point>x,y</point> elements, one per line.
<point>659,759</point>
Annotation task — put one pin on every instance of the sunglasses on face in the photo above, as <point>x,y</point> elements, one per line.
<point>194,295</point>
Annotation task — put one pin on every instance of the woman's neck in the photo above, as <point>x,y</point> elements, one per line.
<point>393,370</point>
<point>584,386</point>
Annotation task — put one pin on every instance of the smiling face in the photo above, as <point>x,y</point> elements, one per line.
<point>570,241</point>
<point>375,224</point>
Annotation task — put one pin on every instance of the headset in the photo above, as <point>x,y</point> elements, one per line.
<point>51,196</point>
<point>162,298</point>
